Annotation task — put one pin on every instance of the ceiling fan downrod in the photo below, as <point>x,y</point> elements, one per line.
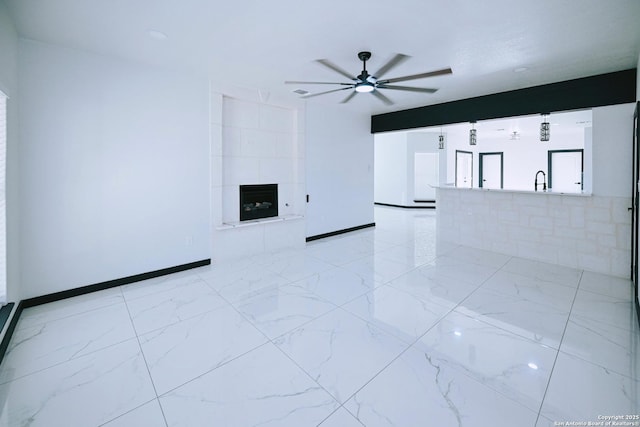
<point>364,57</point>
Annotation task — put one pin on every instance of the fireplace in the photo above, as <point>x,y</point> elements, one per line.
<point>258,201</point>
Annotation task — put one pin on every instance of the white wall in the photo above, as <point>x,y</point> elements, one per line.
<point>612,149</point>
<point>114,168</point>
<point>391,179</point>
<point>339,168</point>
<point>9,85</point>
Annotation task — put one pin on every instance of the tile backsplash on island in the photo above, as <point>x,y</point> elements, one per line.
<point>586,232</point>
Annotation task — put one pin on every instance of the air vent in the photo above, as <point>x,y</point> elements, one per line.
<point>301,91</point>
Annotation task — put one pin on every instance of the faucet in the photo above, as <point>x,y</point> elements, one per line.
<point>544,181</point>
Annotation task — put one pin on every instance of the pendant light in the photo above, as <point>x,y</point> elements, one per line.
<point>473,136</point>
<point>441,140</point>
<point>545,128</point>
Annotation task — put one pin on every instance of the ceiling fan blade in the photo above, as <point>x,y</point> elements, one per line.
<point>329,91</point>
<point>382,98</point>
<point>335,68</point>
<point>409,88</point>
<point>397,59</point>
<point>417,76</point>
<point>349,98</point>
<point>291,82</point>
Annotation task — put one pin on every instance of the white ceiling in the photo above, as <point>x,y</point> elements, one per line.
<point>259,44</point>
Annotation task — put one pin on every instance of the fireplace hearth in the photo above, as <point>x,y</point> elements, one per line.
<point>258,201</point>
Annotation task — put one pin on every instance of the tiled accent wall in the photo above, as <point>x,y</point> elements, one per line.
<point>255,143</point>
<point>586,232</point>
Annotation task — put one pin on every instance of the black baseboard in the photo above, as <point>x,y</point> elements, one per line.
<point>5,311</point>
<point>404,207</point>
<point>12,326</point>
<point>44,299</point>
<point>30,302</point>
<point>338,232</point>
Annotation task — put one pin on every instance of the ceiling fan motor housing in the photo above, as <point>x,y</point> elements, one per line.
<point>364,56</point>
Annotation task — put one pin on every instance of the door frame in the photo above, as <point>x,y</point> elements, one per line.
<point>549,170</point>
<point>480,166</point>
<point>456,171</point>
<point>635,195</point>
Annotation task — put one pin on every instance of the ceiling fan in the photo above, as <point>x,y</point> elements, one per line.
<point>371,83</point>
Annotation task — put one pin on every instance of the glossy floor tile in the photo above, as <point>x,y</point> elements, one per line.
<point>148,415</point>
<point>45,313</point>
<point>520,370</point>
<point>206,342</point>
<point>538,322</point>
<point>385,326</point>
<point>39,347</point>
<point>279,310</point>
<point>397,312</point>
<point>416,390</point>
<point>340,351</point>
<point>580,390</point>
<point>87,391</point>
<point>261,388</point>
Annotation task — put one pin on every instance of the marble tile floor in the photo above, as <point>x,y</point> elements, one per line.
<point>380,327</point>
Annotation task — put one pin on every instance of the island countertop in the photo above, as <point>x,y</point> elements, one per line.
<point>499,190</point>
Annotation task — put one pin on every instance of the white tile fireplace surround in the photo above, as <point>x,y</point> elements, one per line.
<point>587,232</point>
<point>255,143</point>
<point>379,327</point>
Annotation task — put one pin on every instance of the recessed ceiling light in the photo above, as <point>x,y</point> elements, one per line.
<point>158,35</point>
<point>532,365</point>
<point>520,69</point>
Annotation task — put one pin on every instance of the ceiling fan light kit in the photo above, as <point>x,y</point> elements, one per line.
<point>368,83</point>
<point>365,87</point>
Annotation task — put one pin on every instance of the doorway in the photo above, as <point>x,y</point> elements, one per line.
<point>464,169</point>
<point>566,170</point>
<point>491,170</point>
<point>425,177</point>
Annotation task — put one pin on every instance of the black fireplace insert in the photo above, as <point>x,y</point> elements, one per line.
<point>258,201</point>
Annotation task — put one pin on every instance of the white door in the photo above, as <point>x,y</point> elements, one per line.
<point>464,169</point>
<point>491,170</point>
<point>565,174</point>
<point>425,176</point>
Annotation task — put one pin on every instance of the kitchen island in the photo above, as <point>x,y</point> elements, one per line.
<point>583,231</point>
